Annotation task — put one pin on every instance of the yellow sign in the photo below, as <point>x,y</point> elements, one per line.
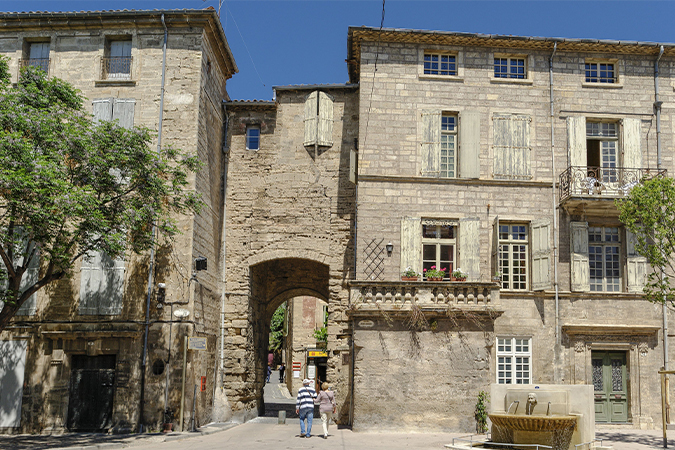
<point>317,354</point>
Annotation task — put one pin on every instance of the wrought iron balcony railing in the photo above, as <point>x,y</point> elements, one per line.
<point>598,182</point>
<point>118,68</point>
<point>42,63</point>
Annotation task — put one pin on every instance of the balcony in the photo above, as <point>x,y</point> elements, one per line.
<point>42,63</point>
<point>582,186</point>
<point>116,68</point>
<point>371,297</point>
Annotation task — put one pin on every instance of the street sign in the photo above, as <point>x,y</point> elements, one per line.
<point>197,343</point>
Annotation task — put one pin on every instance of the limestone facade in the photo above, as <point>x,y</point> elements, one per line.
<point>62,343</point>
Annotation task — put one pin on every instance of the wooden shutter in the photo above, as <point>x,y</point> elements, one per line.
<point>123,112</point>
<point>469,144</point>
<point>576,141</point>
<point>511,137</point>
<point>101,285</point>
<point>632,154</point>
<point>311,118</point>
<point>411,244</point>
<point>495,246</point>
<point>325,133</point>
<point>469,247</point>
<point>636,266</point>
<point>30,277</point>
<point>580,269</point>
<point>541,254</point>
<point>431,143</point>
<point>120,49</point>
<point>353,165</point>
<point>39,50</point>
<point>102,109</point>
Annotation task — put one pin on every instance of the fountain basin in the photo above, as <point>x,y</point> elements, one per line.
<point>538,423</point>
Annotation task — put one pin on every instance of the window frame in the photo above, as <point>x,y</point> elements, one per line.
<point>107,63</point>
<point>618,284</point>
<point>607,173</point>
<point>27,50</point>
<point>528,62</point>
<point>501,375</point>
<point>508,285</point>
<point>438,242</point>
<point>617,79</point>
<point>447,134</point>
<point>437,50</point>
<point>248,137</point>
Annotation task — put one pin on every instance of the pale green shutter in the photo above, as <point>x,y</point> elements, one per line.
<point>636,266</point>
<point>511,138</point>
<point>576,141</point>
<point>431,143</point>
<point>101,285</point>
<point>102,109</point>
<point>311,118</point>
<point>541,254</point>
<point>325,135</point>
<point>469,144</point>
<point>632,154</point>
<point>495,246</point>
<point>90,283</point>
<point>411,244</point>
<point>501,138</point>
<point>123,112</point>
<point>469,247</point>
<point>580,269</point>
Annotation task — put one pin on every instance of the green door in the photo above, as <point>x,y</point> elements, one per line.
<point>609,382</point>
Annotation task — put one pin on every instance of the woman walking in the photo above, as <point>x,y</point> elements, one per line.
<point>326,401</point>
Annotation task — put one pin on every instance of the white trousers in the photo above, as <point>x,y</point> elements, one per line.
<point>325,420</point>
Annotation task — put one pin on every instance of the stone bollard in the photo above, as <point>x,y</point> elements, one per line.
<point>282,418</point>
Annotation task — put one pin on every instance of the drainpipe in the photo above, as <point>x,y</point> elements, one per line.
<point>152,248</point>
<point>555,224</point>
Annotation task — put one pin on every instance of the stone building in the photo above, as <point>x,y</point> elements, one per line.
<point>86,366</point>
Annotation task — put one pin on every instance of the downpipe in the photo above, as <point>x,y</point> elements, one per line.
<point>555,224</point>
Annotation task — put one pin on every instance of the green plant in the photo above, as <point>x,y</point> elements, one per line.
<point>458,273</point>
<point>410,272</point>
<point>433,272</point>
<point>321,335</point>
<point>277,328</point>
<point>480,413</point>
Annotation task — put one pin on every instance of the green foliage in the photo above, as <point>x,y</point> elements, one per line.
<point>321,335</point>
<point>480,413</point>
<point>69,186</point>
<point>649,213</point>
<point>277,328</point>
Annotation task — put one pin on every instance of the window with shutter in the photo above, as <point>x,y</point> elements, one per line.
<point>318,119</point>
<point>38,55</point>
<point>438,246</point>
<point>101,285</point>
<point>541,254</point>
<point>469,144</point>
<point>514,255</point>
<point>117,65</point>
<point>431,143</point>
<point>511,143</point>
<point>411,244</point>
<point>636,266</point>
<point>469,247</point>
<point>580,269</point>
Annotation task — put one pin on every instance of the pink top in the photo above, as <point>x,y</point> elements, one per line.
<point>326,401</point>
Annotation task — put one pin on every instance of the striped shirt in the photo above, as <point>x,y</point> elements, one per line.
<point>306,396</point>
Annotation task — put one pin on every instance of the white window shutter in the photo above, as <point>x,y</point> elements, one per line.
<point>411,243</point>
<point>576,141</point>
<point>501,138</point>
<point>311,118</point>
<point>511,143</point>
<point>102,109</point>
<point>632,154</point>
<point>431,143</point>
<point>469,247</point>
<point>123,112</point>
<point>495,246</point>
<point>101,285</point>
<point>39,50</point>
<point>325,134</point>
<point>469,144</point>
<point>580,269</point>
<point>541,254</point>
<point>636,266</point>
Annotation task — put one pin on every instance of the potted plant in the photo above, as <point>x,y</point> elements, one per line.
<point>434,274</point>
<point>168,420</point>
<point>410,274</point>
<point>458,275</point>
<point>497,277</point>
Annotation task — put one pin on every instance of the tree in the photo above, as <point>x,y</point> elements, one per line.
<point>70,187</point>
<point>649,213</point>
<point>277,328</point>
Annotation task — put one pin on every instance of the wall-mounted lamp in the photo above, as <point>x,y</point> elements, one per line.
<point>390,248</point>
<point>161,294</point>
<point>200,263</point>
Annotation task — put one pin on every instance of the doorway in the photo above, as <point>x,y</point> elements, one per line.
<point>92,383</point>
<point>610,386</point>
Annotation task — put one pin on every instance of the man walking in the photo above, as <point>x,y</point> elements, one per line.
<point>304,407</point>
<point>282,369</point>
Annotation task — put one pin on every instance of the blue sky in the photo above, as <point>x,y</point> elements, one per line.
<point>277,43</point>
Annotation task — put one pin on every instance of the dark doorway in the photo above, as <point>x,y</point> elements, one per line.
<point>92,382</point>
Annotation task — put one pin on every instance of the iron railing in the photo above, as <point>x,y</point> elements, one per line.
<point>118,68</point>
<point>586,181</point>
<point>42,63</point>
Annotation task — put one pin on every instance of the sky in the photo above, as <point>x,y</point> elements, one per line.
<point>280,43</point>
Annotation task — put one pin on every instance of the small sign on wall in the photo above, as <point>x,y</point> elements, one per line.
<point>197,343</point>
<point>296,374</point>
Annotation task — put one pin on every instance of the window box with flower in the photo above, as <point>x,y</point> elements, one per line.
<point>434,274</point>
<point>410,274</point>
<point>458,275</point>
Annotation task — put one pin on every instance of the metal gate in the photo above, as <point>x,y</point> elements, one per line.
<point>92,382</point>
<point>609,382</point>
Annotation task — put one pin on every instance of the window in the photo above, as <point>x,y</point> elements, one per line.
<point>448,146</point>
<point>117,64</point>
<point>514,356</point>
<point>511,139</point>
<point>601,150</point>
<point>101,284</point>
<point>604,259</point>
<point>253,137</point>
<point>318,120</point>
<point>513,256</point>
<point>506,67</point>
<point>38,55</point>
<point>438,245</point>
<point>440,64</point>
<point>600,72</point>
